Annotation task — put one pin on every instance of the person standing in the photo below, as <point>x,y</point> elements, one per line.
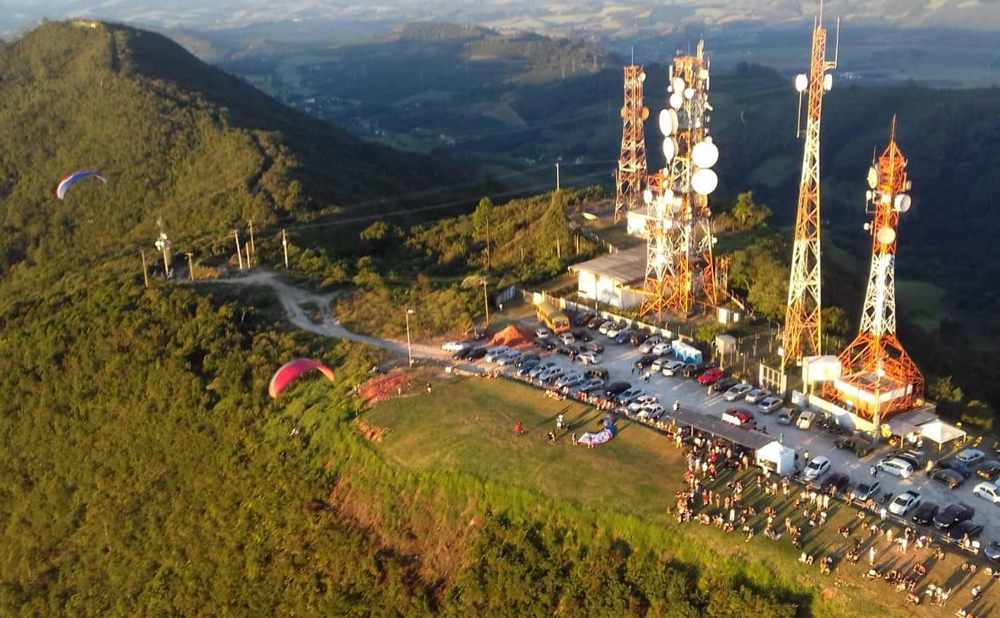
<point>805,456</point>
<point>559,421</point>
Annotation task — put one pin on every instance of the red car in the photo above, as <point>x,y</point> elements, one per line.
<point>710,377</point>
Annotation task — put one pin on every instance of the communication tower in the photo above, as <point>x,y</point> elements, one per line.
<point>879,377</point>
<point>679,262</point>
<point>802,333</point>
<point>632,159</point>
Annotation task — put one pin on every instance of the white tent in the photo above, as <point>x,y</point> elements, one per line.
<point>776,457</point>
<point>940,432</point>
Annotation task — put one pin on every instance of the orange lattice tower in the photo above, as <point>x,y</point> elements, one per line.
<point>632,159</point>
<point>679,263</point>
<point>879,377</point>
<point>802,333</point>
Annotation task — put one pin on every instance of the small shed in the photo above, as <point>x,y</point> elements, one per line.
<point>940,432</point>
<point>725,344</point>
<point>686,352</point>
<point>776,457</point>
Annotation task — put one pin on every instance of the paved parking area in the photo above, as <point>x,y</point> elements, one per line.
<point>618,360</point>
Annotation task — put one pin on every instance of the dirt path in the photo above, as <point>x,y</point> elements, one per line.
<point>292,299</point>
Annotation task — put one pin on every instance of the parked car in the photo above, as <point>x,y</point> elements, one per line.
<point>540,367</point>
<point>925,514</point>
<point>455,346</point>
<point>477,353</point>
<point>896,467</point>
<point>992,551</point>
<point>569,379</point>
<point>861,446</point>
<point>462,354</point>
<point>970,456</point>
<point>509,358</point>
<point>787,416</point>
<point>597,372</point>
<point>710,376</point>
<point>546,343</point>
<point>592,346</point>
<point>816,468</point>
<point>541,331</point>
<point>643,362</point>
<point>638,336</point>
<point>627,397</point>
<point>525,359</point>
<point>623,336</point>
<point>756,395</point>
<point>949,478</point>
<point>614,330</point>
<point>647,346</point>
<point>595,322</point>
<point>741,418</point>
<point>835,482</point>
<point>590,384</point>
<point>805,419</point>
<point>651,411</point>
<point>567,338</point>
<point>525,369</point>
<point>956,465</point>
<point>581,334</point>
<point>605,326</point>
<point>866,490</point>
<point>693,370</point>
<point>904,503</point>
<point>987,491</point>
<point>770,404</point>
<point>657,365</point>
<point>664,347</point>
<point>952,515</point>
<point>551,374</point>
<point>584,318</point>
<point>917,458</point>
<point>963,531</point>
<point>724,385</point>
<point>589,358</point>
<point>988,470</point>
<point>737,392</point>
<point>672,368</point>
<point>616,388</point>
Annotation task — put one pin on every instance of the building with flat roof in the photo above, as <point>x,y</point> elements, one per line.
<point>614,279</point>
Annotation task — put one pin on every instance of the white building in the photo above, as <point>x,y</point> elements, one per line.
<point>614,279</point>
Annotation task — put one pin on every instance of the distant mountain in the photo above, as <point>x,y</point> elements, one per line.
<point>178,141</point>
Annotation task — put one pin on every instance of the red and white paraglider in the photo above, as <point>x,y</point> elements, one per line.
<point>75,177</point>
<point>293,369</point>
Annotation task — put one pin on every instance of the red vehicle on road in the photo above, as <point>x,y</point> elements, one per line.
<point>710,376</point>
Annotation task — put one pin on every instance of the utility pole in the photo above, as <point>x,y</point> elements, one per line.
<point>145,271</point>
<point>486,303</point>
<point>163,244</point>
<point>489,255</point>
<point>284,246</point>
<point>252,251</point>
<point>239,254</point>
<point>190,267</point>
<point>557,176</point>
<point>409,351</point>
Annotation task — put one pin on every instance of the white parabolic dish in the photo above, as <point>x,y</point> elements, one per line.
<point>704,181</point>
<point>705,154</point>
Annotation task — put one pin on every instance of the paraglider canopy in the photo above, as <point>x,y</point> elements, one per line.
<point>293,369</point>
<point>73,178</point>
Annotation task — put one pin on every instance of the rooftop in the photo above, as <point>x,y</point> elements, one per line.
<point>624,267</point>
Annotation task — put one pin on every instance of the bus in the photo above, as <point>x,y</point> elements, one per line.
<point>555,319</point>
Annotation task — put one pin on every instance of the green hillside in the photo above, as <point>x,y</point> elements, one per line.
<point>177,139</point>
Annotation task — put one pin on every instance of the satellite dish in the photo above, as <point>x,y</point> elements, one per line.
<point>872,177</point>
<point>801,82</point>
<point>669,148</point>
<point>903,202</point>
<point>624,111</point>
<point>645,113</point>
<point>676,100</point>
<point>668,122</point>
<point>647,196</point>
<point>678,84</point>
<point>868,195</point>
<point>704,182</point>
<point>705,154</point>
<point>642,76</point>
<point>886,235</point>
<point>828,82</point>
<point>668,195</point>
<point>689,93</point>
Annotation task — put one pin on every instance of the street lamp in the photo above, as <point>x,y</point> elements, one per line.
<point>486,303</point>
<point>409,351</point>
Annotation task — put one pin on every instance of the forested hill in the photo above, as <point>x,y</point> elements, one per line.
<point>178,140</point>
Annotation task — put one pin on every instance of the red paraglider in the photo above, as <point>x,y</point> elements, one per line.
<point>293,369</point>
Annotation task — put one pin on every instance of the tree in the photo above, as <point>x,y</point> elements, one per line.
<point>554,226</point>
<point>481,226</point>
<point>835,321</point>
<point>748,214</point>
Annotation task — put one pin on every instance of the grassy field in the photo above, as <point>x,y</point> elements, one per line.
<point>465,426</point>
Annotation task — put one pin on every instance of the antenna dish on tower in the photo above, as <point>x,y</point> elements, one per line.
<point>872,177</point>
<point>886,235</point>
<point>647,196</point>
<point>678,84</point>
<point>668,122</point>
<point>903,202</point>
<point>801,82</point>
<point>828,82</point>
<point>704,182</point>
<point>689,93</point>
<point>705,154</point>
<point>669,148</point>
<point>676,100</point>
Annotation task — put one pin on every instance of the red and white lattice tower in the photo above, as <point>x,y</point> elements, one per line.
<point>679,262</point>
<point>879,377</point>
<point>802,333</point>
<point>632,159</point>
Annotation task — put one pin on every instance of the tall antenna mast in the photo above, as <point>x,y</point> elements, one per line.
<point>802,335</point>
<point>632,157</point>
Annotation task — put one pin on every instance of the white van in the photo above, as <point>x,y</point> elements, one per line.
<point>896,467</point>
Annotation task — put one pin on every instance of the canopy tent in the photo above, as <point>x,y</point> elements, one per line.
<point>940,432</point>
<point>776,457</point>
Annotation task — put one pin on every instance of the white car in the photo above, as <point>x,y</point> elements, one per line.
<point>567,338</point>
<point>570,379</point>
<point>541,331</point>
<point>757,395</point>
<point>770,404</point>
<point>737,392</point>
<point>540,368</point>
<point>904,502</point>
<point>589,358</point>
<point>510,357</point>
<point>653,411</point>
<point>614,330</point>
<point>659,363</point>
<point>550,374</point>
<point>896,467</point>
<point>816,468</point>
<point>661,348</point>
<point>603,328</point>
<point>970,456</point>
<point>805,419</point>
<point>591,384</point>
<point>493,353</point>
<point>648,345</point>
<point>456,346</point>
<point>672,368</point>
<point>988,491</point>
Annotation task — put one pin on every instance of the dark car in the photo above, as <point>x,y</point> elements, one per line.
<point>866,490</point>
<point>545,343</point>
<point>581,335</point>
<point>917,458</point>
<point>567,350</point>
<point>949,478</point>
<point>835,482</point>
<point>988,470</point>
<point>966,529</point>
<point>596,372</point>
<point>478,353</point>
<point>623,336</point>
<point>616,388</point>
<point>462,354</point>
<point>595,322</point>
<point>992,551</point>
<point>956,465</point>
<point>523,369</point>
<point>861,446</point>
<point>925,513</point>
<point>693,370</point>
<point>592,346</point>
<point>638,336</point>
<point>526,359</point>
<point>582,319</point>
<point>644,361</point>
<point>953,515</point>
<point>724,385</point>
